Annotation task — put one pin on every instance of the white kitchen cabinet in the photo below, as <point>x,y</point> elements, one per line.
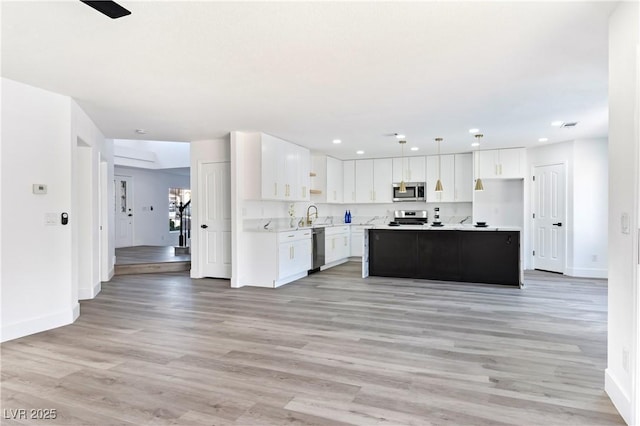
<point>373,180</point>
<point>446,165</point>
<point>301,184</point>
<point>382,180</point>
<point>357,237</point>
<point>276,258</point>
<point>414,169</point>
<point>349,181</point>
<point>463,178</point>
<point>364,181</point>
<point>327,180</point>
<point>279,169</point>
<point>294,254</point>
<point>334,181</point>
<point>501,163</point>
<point>337,244</point>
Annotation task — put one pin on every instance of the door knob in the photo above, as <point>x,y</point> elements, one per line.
<point>204,226</point>
<point>129,215</point>
<point>557,224</point>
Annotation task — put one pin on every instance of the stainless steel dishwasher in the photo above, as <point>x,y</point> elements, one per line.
<point>317,249</point>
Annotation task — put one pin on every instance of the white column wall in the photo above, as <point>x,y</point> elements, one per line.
<point>42,275</point>
<point>37,290</point>
<point>89,147</point>
<point>622,353</point>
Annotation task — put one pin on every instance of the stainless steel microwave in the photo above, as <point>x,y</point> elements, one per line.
<point>415,192</point>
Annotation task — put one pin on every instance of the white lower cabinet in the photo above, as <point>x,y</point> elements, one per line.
<point>357,238</point>
<point>275,258</point>
<point>294,254</point>
<point>337,244</point>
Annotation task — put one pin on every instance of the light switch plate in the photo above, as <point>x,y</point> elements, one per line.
<point>624,223</point>
<point>51,219</point>
<point>39,188</point>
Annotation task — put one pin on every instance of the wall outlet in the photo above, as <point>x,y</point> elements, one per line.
<point>625,359</point>
<point>594,257</point>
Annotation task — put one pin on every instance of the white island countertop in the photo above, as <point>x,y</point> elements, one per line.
<point>447,227</point>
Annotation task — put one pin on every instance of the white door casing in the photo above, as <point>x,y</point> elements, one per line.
<point>124,211</point>
<point>215,219</point>
<point>549,221</point>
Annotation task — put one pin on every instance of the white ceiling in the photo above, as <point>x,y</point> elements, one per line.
<point>310,72</point>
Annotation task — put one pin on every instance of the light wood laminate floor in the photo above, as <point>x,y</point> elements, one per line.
<point>330,349</point>
<point>148,254</point>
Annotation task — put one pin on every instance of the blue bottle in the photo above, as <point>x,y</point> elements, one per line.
<point>348,216</point>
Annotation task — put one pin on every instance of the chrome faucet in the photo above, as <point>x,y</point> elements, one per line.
<point>309,221</point>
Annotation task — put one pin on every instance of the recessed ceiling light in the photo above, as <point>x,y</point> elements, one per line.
<point>474,130</point>
<point>543,139</point>
<point>475,144</point>
<point>141,131</point>
<point>337,141</point>
<point>400,136</point>
<point>360,152</point>
<point>414,148</point>
<point>557,123</point>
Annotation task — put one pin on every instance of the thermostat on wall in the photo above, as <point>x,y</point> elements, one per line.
<point>39,188</point>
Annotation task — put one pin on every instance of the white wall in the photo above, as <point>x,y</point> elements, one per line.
<point>501,203</point>
<point>37,291</point>
<point>590,209</point>
<point>151,154</point>
<point>624,93</point>
<point>151,204</point>
<point>88,223</point>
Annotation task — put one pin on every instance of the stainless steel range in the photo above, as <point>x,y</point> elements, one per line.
<point>409,217</point>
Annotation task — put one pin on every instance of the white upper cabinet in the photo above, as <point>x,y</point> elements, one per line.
<point>283,169</point>
<point>446,164</point>
<point>373,180</point>
<point>364,181</point>
<point>501,163</point>
<point>334,181</point>
<point>463,177</point>
<point>349,181</point>
<point>327,180</point>
<point>382,180</point>
<point>409,169</point>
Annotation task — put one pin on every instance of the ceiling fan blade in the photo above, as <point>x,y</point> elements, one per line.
<point>110,8</point>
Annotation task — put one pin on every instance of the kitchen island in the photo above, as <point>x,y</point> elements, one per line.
<point>461,253</point>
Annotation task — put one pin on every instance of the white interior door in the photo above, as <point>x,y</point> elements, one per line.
<point>215,219</point>
<point>124,211</point>
<point>549,222</point>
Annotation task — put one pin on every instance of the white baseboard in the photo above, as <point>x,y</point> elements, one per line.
<point>587,272</point>
<point>618,396</point>
<point>43,323</point>
<point>334,263</point>
<point>89,293</point>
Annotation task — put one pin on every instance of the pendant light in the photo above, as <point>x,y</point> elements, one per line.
<point>479,186</point>
<point>439,183</point>
<point>403,186</point>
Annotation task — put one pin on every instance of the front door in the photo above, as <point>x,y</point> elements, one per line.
<point>549,222</point>
<point>124,211</point>
<point>215,219</point>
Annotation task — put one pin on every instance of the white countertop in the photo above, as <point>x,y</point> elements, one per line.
<point>427,227</point>
<point>447,227</point>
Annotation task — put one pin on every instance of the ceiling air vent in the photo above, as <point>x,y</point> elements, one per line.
<point>572,124</point>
